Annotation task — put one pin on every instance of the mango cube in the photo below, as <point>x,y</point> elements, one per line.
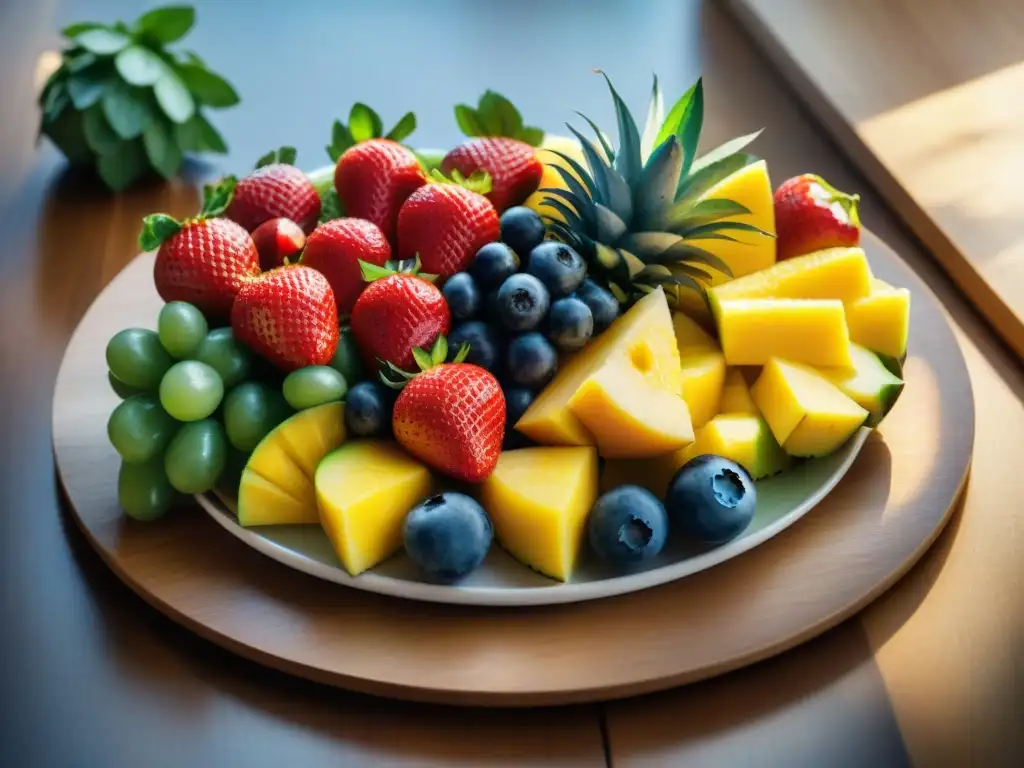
<point>538,500</point>
<point>736,396</point>
<point>811,331</point>
<point>880,321</point>
<point>746,439</point>
<point>363,492</point>
<point>869,383</point>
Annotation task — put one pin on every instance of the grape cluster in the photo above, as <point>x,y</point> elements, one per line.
<point>196,402</point>
<point>524,302</point>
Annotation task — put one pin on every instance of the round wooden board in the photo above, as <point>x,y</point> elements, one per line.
<point>855,544</point>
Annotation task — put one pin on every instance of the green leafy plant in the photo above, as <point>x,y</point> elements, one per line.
<point>123,103</point>
<point>495,115</point>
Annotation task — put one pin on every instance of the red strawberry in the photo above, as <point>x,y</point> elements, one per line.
<point>451,416</point>
<point>395,314</point>
<point>204,260</point>
<point>512,165</point>
<point>336,247</point>
<point>278,241</point>
<point>275,191</point>
<point>288,316</point>
<point>811,214</point>
<point>446,224</point>
<point>373,179</point>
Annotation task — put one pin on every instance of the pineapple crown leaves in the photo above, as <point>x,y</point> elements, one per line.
<point>394,377</point>
<point>125,104</point>
<point>157,228</point>
<point>478,181</point>
<point>496,116</point>
<point>284,155</point>
<point>365,124</point>
<point>412,267</point>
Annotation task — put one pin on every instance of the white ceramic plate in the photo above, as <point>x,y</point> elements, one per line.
<point>501,580</point>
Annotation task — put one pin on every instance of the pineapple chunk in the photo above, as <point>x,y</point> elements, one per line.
<point>628,415</point>
<point>363,492</point>
<point>645,331</point>
<point>808,415</point>
<point>834,273</point>
<point>744,438</point>
<point>881,320</point>
<point>690,337</point>
<point>869,383</point>
<point>538,500</point>
<point>285,461</point>
<point>736,396</point>
<point>703,368</point>
<point>811,331</point>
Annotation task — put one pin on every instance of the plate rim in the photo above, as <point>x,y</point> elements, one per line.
<point>554,594</point>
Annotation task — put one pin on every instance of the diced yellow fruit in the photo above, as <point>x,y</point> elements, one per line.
<point>311,434</point>
<point>653,474</point>
<point>869,383</point>
<point>750,187</point>
<point>834,273</point>
<point>703,379</point>
<point>271,461</point>
<point>881,320</point>
<point>538,500</point>
<point>628,415</point>
<point>808,415</point>
<point>746,439</point>
<point>260,502</point>
<point>363,492</point>
<point>644,333</point>
<point>736,395</point>
<point>690,337</point>
<point>811,331</point>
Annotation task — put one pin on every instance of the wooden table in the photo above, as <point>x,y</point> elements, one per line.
<point>928,675</point>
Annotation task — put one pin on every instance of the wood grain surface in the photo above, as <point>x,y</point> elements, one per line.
<point>926,97</point>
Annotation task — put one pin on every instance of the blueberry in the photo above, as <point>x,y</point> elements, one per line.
<point>368,409</point>
<point>517,400</point>
<point>603,306</point>
<point>493,264</point>
<point>711,499</point>
<point>522,302</point>
<point>627,525</point>
<point>530,361</point>
<point>570,324</point>
<point>461,293</point>
<point>522,229</point>
<point>484,343</point>
<point>558,266</point>
<point>448,535</point>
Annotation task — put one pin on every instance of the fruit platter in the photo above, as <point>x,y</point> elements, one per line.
<point>533,368</point>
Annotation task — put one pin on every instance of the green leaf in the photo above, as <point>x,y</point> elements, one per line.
<point>101,138</point>
<point>127,111</point>
<point>689,132</point>
<point>656,190</point>
<point>330,206</point>
<point>162,150</point>
<point>156,229</point>
<point>499,115</point>
<point>462,354</point>
<point>695,272</point>
<point>706,230</point>
<point>287,155</point>
<point>371,272</point>
<point>217,197</point>
<point>608,151</point>
<point>267,159</point>
<point>174,98</point>
<point>648,246</point>
<point>655,117</point>
<point>674,119</point>
<point>610,227</point>
<point>403,127</point>
<point>478,181</point>
<point>572,218</point>
<point>633,264</point>
<point>207,88</point>
<point>619,294</point>
<point>86,88</point>
<point>74,30</point>
<point>697,183</point>
<point>102,41</point>
<point>706,212</point>
<point>683,251</point>
<point>191,57</point>
<point>166,24</point>
<point>723,151</point>
<point>422,358</point>
<point>584,178</point>
<point>440,351</point>
<point>139,65</point>
<point>532,136</point>
<point>364,123</point>
<point>598,170</point>
<point>120,169</point>
<point>468,121</point>
<point>627,161</point>
<point>197,135</point>
<point>54,102</point>
<point>81,61</point>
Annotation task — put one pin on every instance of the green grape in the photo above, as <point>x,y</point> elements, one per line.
<point>136,357</point>
<point>314,385</point>
<point>191,390</point>
<point>346,360</point>
<point>143,490</point>
<point>181,328</point>
<point>139,429</point>
<point>229,357</point>
<point>122,390</point>
<point>251,410</point>
<point>196,456</point>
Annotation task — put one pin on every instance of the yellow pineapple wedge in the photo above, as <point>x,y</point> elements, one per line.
<point>644,332</point>
<point>538,500</point>
<point>880,321</point>
<point>703,367</point>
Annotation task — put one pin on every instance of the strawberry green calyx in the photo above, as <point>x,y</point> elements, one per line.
<point>285,155</point>
<point>365,124</point>
<point>394,377</point>
<point>829,195</point>
<point>496,116</point>
<point>478,181</point>
<point>371,272</point>
<point>157,228</point>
